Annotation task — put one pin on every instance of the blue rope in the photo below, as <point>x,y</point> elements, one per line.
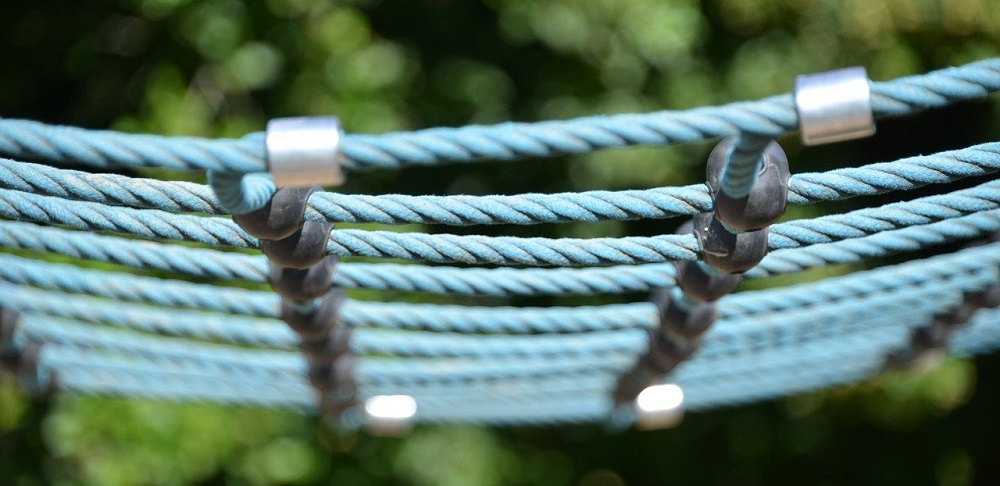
<point>743,164</point>
<point>777,377</point>
<point>473,249</point>
<point>218,265</point>
<point>436,317</point>
<point>770,117</point>
<point>502,365</point>
<point>968,270</point>
<point>212,264</point>
<point>467,354</point>
<point>421,376</point>
<point>251,192</point>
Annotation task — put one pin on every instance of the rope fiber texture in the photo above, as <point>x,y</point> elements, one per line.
<point>479,250</point>
<point>770,117</point>
<point>146,288</point>
<point>253,191</point>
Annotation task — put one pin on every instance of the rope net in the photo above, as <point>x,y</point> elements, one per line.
<point>164,307</point>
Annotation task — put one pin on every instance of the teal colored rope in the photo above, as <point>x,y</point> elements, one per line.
<point>537,359</point>
<point>252,192</point>
<point>218,265</point>
<point>212,264</point>
<point>444,248</point>
<point>772,117</point>
<point>729,389</point>
<point>969,270</point>
<point>981,260</point>
<point>743,164</point>
<point>470,356</point>
<point>419,376</point>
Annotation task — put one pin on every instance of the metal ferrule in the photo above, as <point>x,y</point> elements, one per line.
<point>834,106</point>
<point>304,152</point>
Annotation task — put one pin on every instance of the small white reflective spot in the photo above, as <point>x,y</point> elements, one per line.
<point>389,415</point>
<point>659,406</point>
<point>400,407</point>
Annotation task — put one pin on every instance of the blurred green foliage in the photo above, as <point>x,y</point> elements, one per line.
<point>222,67</point>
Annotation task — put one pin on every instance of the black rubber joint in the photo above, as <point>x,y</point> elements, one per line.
<point>280,217</point>
<point>302,249</point>
<point>726,251</point>
<point>768,197</point>
<point>304,285</point>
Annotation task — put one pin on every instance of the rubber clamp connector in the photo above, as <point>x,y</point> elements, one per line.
<point>987,298</point>
<point>281,217</point>
<point>700,282</point>
<point>726,251</point>
<point>930,337</point>
<point>666,352</point>
<point>768,197</point>
<point>328,348</point>
<point>317,321</point>
<point>956,316</point>
<point>683,322</point>
<point>338,375</point>
<point>304,285</point>
<point>302,249</point>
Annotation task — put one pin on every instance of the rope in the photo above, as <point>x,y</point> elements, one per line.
<point>738,337</point>
<point>119,349</point>
<point>474,249</point>
<point>807,372</point>
<point>740,173</point>
<point>118,333</point>
<point>968,270</point>
<point>771,117</point>
<point>252,192</point>
<point>469,281</point>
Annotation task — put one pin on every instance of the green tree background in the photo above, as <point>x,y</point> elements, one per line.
<point>223,67</point>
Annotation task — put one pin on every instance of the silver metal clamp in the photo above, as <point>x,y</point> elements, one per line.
<point>834,106</point>
<point>304,152</point>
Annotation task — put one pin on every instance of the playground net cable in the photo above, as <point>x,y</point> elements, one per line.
<point>168,315</point>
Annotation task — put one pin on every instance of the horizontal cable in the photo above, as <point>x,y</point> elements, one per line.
<point>439,248</point>
<point>975,268</point>
<point>775,375</point>
<point>907,239</point>
<point>232,266</point>
<point>775,378</point>
<point>213,264</point>
<point>124,287</point>
<point>539,400</point>
<point>794,332</point>
<point>664,202</point>
<point>772,117</point>
<point>424,378</point>
<point>417,375</point>
<point>802,372</point>
<point>364,341</point>
<point>474,249</point>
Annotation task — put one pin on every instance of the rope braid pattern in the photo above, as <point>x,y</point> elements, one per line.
<point>770,117</point>
<point>978,264</point>
<point>115,333</point>
<point>444,248</point>
<point>785,375</point>
<point>254,191</point>
<point>213,264</point>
